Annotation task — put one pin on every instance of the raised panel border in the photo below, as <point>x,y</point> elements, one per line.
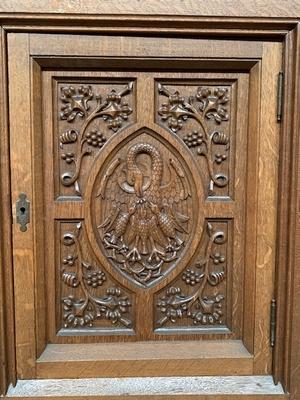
<point>245,65</point>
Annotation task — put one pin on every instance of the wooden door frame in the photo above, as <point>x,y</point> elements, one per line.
<point>282,25</point>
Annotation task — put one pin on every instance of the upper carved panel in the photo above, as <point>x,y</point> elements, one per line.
<point>200,116</point>
<point>88,116</point>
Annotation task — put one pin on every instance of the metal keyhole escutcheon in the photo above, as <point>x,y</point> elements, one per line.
<point>23,212</point>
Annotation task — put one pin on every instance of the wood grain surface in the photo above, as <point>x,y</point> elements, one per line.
<point>242,387</point>
<point>247,312</point>
<point>7,345</point>
<point>232,8</point>
<point>61,206</point>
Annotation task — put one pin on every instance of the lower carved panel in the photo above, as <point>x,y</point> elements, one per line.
<point>91,301</point>
<point>197,298</point>
<point>89,297</point>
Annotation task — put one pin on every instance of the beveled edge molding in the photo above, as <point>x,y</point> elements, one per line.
<point>160,24</point>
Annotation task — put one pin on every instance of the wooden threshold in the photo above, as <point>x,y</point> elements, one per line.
<point>145,359</point>
<point>221,387</point>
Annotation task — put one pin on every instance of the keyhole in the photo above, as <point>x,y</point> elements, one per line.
<point>22,209</point>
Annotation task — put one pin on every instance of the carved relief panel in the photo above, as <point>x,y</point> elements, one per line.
<point>146,204</point>
<point>89,296</point>
<point>143,210</point>
<point>198,296</point>
<point>200,115</point>
<point>89,114</point>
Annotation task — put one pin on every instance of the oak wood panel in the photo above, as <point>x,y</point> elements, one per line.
<point>38,215</point>
<point>110,46</point>
<point>144,359</point>
<point>288,273</point>
<point>251,227</point>
<point>250,8</point>
<point>243,83</point>
<point>267,204</point>
<point>7,346</point>
<point>76,208</point>
<point>226,206</point>
<point>21,168</point>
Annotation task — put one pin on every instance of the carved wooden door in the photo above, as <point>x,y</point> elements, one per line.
<point>151,169</point>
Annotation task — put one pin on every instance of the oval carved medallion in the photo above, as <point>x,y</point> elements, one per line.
<point>143,209</point>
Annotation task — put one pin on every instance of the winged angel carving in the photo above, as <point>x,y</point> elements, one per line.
<point>145,220</point>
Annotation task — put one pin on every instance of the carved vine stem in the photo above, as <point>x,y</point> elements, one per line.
<point>178,110</point>
<point>83,311</point>
<point>111,110</point>
<point>174,305</point>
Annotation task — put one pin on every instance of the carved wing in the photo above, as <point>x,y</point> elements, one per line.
<point>113,197</point>
<point>178,189</point>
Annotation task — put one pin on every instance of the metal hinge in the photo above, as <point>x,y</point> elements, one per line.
<point>273,323</point>
<point>280,83</point>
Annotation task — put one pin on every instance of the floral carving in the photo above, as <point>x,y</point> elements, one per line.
<point>175,111</point>
<point>212,102</point>
<point>83,310</point>
<point>75,102</point>
<point>112,110</point>
<point>202,309</point>
<point>206,104</point>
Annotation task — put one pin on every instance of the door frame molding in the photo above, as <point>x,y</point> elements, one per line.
<point>286,30</point>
